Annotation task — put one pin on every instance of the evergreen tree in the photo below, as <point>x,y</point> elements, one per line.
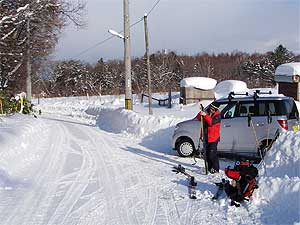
<point>281,55</point>
<point>264,67</point>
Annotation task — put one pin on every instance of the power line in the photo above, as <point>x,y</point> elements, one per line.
<point>95,45</point>
<point>107,39</point>
<point>153,7</point>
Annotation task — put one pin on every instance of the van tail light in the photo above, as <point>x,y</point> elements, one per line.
<point>283,124</point>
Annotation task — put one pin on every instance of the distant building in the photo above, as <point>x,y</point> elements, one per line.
<point>195,89</point>
<point>287,77</point>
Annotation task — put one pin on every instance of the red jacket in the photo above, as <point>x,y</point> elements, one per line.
<point>212,126</point>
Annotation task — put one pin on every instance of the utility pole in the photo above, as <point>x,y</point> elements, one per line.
<point>127,57</point>
<point>148,64</point>
<point>28,79</point>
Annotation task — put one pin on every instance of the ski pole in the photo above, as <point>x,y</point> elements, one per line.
<point>198,148</point>
<point>269,121</point>
<point>197,152</point>
<point>204,146</point>
<point>250,122</point>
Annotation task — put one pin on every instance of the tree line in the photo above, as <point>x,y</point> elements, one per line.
<point>76,78</point>
<point>29,30</point>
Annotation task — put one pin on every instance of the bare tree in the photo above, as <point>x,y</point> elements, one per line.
<point>42,21</point>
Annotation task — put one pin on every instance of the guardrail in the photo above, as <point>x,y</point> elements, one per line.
<point>161,102</point>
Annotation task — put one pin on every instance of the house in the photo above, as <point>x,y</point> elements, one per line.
<point>194,89</point>
<point>287,77</point>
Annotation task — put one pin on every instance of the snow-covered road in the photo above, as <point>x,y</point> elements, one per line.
<point>88,176</point>
<point>79,174</point>
<point>115,168</point>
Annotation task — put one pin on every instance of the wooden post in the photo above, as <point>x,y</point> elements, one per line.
<point>1,106</point>
<point>28,79</point>
<point>127,57</point>
<point>148,64</point>
<point>170,99</point>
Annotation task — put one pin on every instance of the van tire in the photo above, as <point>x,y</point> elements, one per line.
<point>185,147</point>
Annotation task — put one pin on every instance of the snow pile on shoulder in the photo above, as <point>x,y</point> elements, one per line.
<point>18,132</point>
<point>225,87</point>
<point>278,194</point>
<point>203,83</point>
<point>75,107</point>
<point>132,123</point>
<point>284,157</point>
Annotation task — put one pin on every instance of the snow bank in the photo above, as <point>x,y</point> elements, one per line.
<point>132,123</point>
<point>279,185</point>
<point>204,83</point>
<point>284,157</point>
<point>225,87</point>
<point>109,115</point>
<point>74,107</point>
<point>107,112</point>
<point>20,131</point>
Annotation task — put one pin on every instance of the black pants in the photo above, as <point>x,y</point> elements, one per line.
<point>212,156</point>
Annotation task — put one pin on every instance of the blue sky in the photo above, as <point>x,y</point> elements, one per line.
<point>186,27</point>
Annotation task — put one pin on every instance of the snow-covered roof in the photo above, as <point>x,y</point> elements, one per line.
<point>288,69</point>
<point>225,87</point>
<point>204,83</point>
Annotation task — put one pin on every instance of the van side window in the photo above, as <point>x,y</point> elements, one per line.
<point>277,108</point>
<point>291,109</point>
<point>246,108</point>
<point>268,106</point>
<point>227,110</point>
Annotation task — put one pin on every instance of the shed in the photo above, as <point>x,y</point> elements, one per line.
<point>195,89</point>
<point>287,77</point>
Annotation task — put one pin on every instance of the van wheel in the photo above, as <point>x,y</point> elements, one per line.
<point>185,147</point>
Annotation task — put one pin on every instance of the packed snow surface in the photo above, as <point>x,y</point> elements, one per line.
<point>203,83</point>
<point>89,161</point>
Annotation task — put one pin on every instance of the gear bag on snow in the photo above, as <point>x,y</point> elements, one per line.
<point>244,182</point>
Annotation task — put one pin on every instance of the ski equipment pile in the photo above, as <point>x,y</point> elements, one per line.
<point>221,188</point>
<point>244,182</point>
<point>192,183</point>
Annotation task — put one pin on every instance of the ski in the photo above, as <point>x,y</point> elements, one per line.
<point>221,187</point>
<point>203,143</point>
<point>192,188</point>
<point>192,183</point>
<point>203,170</point>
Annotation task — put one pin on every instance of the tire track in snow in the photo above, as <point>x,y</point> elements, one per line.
<point>79,183</point>
<point>106,173</point>
<point>126,192</point>
<point>133,201</point>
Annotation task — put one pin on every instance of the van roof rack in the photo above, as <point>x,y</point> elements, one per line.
<point>255,95</point>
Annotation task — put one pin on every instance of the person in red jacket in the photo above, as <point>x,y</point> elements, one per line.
<point>211,136</point>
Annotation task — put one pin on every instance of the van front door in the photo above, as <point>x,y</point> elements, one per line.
<point>228,111</point>
<point>245,131</point>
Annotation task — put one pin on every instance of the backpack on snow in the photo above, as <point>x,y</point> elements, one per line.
<point>244,181</point>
